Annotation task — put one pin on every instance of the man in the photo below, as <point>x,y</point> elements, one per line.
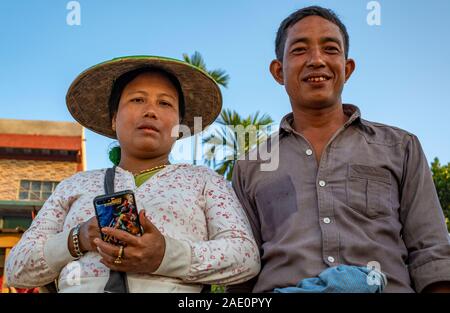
<point>346,191</point>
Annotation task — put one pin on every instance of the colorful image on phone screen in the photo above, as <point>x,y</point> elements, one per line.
<point>118,212</point>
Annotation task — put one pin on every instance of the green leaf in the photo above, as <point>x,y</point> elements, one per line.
<point>441,179</point>
<point>218,75</point>
<point>226,141</point>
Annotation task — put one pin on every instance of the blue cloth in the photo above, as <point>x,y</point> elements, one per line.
<point>341,279</point>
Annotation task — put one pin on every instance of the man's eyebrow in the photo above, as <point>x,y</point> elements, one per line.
<point>322,40</point>
<point>332,39</point>
<point>299,39</point>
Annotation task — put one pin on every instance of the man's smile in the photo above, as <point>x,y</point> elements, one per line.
<point>316,78</point>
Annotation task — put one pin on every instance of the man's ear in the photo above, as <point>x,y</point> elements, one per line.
<point>350,66</point>
<point>276,68</point>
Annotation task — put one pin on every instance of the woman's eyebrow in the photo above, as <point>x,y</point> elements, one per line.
<point>167,95</point>
<point>162,94</point>
<point>137,91</point>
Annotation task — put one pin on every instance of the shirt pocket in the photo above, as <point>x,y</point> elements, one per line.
<point>369,190</point>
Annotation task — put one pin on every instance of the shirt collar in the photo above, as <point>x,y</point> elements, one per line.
<point>350,110</point>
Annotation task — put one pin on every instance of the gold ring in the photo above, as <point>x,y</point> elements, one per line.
<point>118,260</point>
<point>120,252</point>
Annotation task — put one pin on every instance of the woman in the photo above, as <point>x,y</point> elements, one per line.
<point>195,231</point>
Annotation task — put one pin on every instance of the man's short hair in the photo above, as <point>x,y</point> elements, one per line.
<point>301,14</point>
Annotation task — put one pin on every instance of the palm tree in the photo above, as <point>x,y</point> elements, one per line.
<point>215,141</point>
<point>225,139</point>
<point>230,144</point>
<point>219,75</point>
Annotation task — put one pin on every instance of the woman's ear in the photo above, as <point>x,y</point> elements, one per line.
<point>113,123</point>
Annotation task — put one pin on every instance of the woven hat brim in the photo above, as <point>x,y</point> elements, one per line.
<point>88,96</point>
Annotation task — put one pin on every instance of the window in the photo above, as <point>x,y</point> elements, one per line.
<point>11,222</point>
<point>2,261</point>
<point>36,190</point>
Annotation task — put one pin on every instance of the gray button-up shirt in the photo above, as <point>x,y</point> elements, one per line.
<point>370,201</point>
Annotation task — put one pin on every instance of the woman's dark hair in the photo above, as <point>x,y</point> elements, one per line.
<point>297,16</point>
<point>116,93</point>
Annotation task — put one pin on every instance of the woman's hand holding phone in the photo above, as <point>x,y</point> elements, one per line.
<point>89,231</point>
<point>142,254</point>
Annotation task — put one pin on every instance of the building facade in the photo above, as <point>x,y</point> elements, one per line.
<point>34,157</point>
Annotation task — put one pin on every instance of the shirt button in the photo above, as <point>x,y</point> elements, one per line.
<point>330,259</point>
<point>322,183</point>
<point>309,152</point>
<point>326,220</point>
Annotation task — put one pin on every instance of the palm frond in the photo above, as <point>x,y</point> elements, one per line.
<point>230,144</point>
<point>219,75</point>
<point>196,60</point>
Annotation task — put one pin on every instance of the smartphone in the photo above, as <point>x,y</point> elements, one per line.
<point>117,210</point>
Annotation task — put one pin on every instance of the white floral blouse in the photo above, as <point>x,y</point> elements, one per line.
<point>207,234</point>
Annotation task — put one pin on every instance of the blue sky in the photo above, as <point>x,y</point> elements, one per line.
<point>402,76</point>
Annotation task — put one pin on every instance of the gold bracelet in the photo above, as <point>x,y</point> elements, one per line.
<point>76,241</point>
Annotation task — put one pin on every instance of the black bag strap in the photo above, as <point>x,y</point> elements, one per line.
<point>117,281</point>
<point>109,180</point>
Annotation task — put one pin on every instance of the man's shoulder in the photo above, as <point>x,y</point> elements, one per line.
<point>379,133</point>
<point>261,159</point>
<point>261,151</point>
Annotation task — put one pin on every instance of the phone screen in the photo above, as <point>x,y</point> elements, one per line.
<point>118,211</point>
